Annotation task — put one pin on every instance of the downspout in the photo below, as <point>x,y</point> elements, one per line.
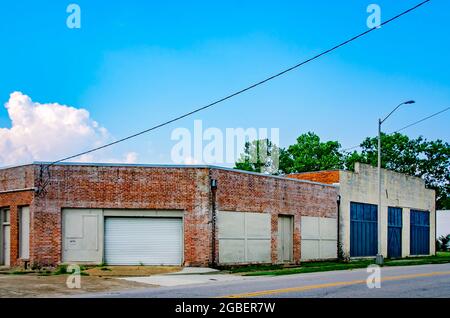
<point>339,251</point>
<point>213,222</point>
<point>435,224</point>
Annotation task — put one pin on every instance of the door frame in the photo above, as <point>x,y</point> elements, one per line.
<point>5,260</point>
<point>279,239</point>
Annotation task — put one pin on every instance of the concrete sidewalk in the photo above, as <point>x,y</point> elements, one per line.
<point>187,276</point>
<point>195,270</point>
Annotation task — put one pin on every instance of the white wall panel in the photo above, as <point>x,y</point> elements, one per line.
<point>319,238</point>
<point>244,237</point>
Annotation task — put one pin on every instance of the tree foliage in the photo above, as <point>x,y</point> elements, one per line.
<point>429,160</point>
<point>442,243</point>
<point>259,156</point>
<point>309,153</point>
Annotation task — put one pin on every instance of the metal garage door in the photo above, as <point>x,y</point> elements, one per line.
<point>394,232</point>
<point>147,241</point>
<point>420,233</point>
<point>363,229</point>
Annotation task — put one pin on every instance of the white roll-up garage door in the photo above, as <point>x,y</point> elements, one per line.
<point>147,241</point>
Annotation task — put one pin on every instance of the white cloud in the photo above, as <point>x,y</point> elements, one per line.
<point>46,132</point>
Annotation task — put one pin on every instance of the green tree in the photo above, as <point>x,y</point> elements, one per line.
<point>259,156</point>
<point>442,243</point>
<point>429,160</point>
<point>309,153</point>
<point>418,157</point>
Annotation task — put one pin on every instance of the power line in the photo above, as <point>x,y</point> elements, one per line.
<point>407,126</point>
<point>351,148</point>
<point>419,121</point>
<point>242,90</point>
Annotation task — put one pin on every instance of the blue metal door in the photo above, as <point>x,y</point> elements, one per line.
<point>363,229</point>
<point>394,232</point>
<point>420,233</point>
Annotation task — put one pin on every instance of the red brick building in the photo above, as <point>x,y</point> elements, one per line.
<point>147,214</point>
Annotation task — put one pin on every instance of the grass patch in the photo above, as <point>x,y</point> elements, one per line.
<point>21,272</point>
<point>314,267</point>
<point>45,273</point>
<point>63,270</point>
<point>439,258</point>
<point>251,268</point>
<point>310,267</point>
<point>60,270</point>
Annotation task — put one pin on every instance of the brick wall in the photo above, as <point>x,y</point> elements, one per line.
<point>13,201</point>
<point>125,188</point>
<point>328,177</point>
<point>157,188</point>
<point>255,193</point>
<point>18,179</point>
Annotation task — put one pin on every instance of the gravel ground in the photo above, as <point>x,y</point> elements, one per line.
<point>100,279</point>
<point>31,285</point>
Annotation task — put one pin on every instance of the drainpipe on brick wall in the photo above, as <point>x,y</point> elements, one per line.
<point>338,203</point>
<point>435,224</point>
<point>213,221</point>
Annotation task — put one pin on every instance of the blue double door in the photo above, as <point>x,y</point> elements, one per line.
<point>395,225</point>
<point>420,233</point>
<point>364,230</point>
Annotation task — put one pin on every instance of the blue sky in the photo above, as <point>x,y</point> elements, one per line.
<point>134,64</point>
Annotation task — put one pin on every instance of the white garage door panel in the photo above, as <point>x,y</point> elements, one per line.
<point>244,237</point>
<point>82,239</point>
<point>310,228</point>
<point>319,238</point>
<point>258,251</point>
<point>231,225</point>
<point>258,225</point>
<point>148,241</point>
<point>328,229</point>
<point>232,251</point>
<point>310,249</point>
<point>328,249</point>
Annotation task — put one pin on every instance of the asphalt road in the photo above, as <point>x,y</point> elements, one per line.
<point>406,281</point>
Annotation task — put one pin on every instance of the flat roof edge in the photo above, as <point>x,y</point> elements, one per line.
<point>320,171</point>
<point>175,166</point>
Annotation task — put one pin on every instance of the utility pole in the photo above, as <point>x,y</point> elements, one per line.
<point>380,256</point>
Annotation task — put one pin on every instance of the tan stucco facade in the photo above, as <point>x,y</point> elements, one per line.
<point>398,190</point>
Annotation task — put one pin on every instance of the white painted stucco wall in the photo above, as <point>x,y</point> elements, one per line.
<point>442,223</point>
<point>398,190</point>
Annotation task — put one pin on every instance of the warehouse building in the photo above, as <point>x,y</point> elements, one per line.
<point>161,215</point>
<point>408,222</point>
<point>205,215</point>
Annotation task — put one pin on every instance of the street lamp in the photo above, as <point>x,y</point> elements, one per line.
<point>380,257</point>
